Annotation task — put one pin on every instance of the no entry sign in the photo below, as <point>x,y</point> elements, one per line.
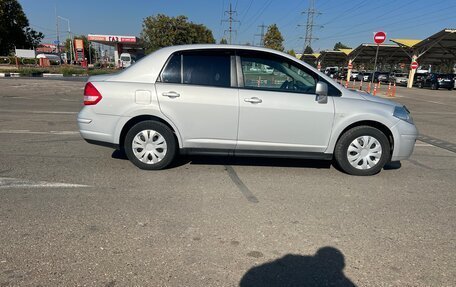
<point>379,37</point>
<point>414,65</point>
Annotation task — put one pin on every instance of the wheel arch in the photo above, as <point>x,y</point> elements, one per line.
<point>140,118</point>
<point>375,124</point>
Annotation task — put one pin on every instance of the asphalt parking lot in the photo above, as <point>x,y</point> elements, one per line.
<point>74,214</point>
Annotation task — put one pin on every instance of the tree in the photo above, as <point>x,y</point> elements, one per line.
<point>339,45</point>
<point>308,50</point>
<point>291,52</point>
<point>273,38</point>
<point>14,28</point>
<point>162,31</point>
<point>223,41</point>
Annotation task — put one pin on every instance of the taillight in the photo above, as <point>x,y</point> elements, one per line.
<point>91,95</point>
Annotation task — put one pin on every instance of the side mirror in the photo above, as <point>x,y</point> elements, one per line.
<point>322,92</point>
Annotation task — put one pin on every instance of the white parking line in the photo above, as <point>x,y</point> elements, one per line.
<point>39,112</point>
<point>38,133</point>
<point>6,182</point>
<point>432,102</point>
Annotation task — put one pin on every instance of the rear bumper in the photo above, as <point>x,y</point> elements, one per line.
<point>96,127</point>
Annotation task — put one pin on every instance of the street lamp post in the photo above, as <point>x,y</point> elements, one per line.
<point>69,37</point>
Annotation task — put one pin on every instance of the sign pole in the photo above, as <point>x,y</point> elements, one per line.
<point>413,67</point>
<point>379,37</point>
<point>375,64</point>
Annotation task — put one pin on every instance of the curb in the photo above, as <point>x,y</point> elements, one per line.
<point>49,75</point>
<point>45,75</point>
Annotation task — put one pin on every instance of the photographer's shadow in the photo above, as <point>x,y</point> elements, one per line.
<point>325,268</point>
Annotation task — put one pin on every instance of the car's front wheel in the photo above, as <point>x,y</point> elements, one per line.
<point>150,145</point>
<point>362,150</point>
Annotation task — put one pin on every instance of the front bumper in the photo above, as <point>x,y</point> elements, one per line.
<point>405,135</point>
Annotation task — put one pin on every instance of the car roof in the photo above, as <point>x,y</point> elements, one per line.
<point>150,66</point>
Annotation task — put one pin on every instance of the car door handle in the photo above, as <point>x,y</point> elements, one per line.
<point>253,100</point>
<point>171,94</point>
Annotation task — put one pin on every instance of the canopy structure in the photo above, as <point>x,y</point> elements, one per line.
<point>407,43</point>
<point>122,44</point>
<point>438,48</point>
<point>387,54</point>
<point>310,58</point>
<point>333,58</point>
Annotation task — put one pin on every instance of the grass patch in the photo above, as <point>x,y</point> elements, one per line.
<point>66,70</point>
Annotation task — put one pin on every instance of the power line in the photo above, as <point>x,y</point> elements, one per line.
<point>311,13</point>
<point>262,26</point>
<point>427,13</point>
<point>258,15</point>
<point>230,20</point>
<point>246,11</point>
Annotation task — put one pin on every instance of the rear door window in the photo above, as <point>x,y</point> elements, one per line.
<point>207,68</point>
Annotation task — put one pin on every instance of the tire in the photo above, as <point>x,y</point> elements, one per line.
<point>158,142</point>
<point>361,164</point>
<point>420,85</point>
<point>434,87</point>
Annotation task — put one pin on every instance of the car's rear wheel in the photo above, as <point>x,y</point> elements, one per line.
<point>362,150</point>
<point>150,145</point>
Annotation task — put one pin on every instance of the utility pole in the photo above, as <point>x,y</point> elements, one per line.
<point>57,28</point>
<point>230,13</point>
<point>262,26</point>
<point>311,13</point>
<point>69,37</point>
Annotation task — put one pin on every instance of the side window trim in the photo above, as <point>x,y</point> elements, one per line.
<point>182,68</point>
<point>240,74</point>
<point>233,72</point>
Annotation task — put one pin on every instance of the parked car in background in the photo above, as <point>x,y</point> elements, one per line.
<point>367,76</point>
<point>381,77</point>
<point>435,81</point>
<point>354,75</point>
<point>400,79</point>
<point>201,99</point>
<point>332,71</point>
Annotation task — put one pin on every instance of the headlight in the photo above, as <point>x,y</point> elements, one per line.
<point>403,113</point>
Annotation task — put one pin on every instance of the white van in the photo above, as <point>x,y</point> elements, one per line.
<point>126,60</point>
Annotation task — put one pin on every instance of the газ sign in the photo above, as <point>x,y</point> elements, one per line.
<point>112,38</point>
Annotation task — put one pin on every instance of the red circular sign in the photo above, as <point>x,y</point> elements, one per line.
<point>350,66</point>
<point>379,37</point>
<point>414,65</point>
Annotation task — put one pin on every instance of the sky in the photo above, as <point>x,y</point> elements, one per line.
<point>350,22</point>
